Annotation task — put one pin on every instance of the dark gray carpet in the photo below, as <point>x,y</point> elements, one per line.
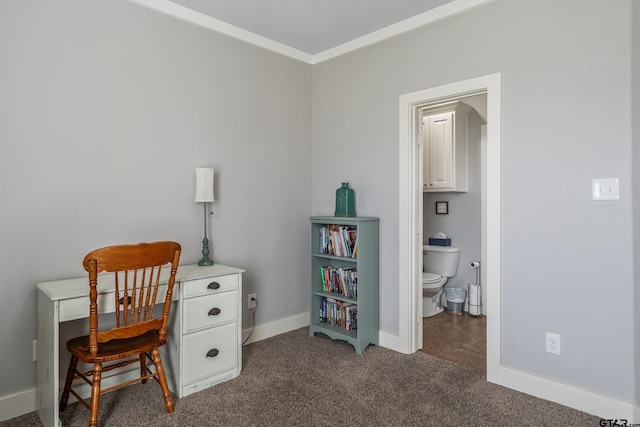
<point>295,380</point>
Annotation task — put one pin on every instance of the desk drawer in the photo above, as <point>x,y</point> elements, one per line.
<point>78,308</point>
<point>210,285</point>
<point>210,310</point>
<point>196,363</point>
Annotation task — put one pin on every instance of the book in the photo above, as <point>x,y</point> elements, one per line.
<point>338,240</point>
<point>341,280</point>
<point>338,313</point>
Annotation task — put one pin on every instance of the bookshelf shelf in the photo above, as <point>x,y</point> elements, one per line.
<point>337,301</point>
<point>336,296</point>
<point>338,258</point>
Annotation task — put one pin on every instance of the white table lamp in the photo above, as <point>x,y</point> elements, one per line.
<point>204,194</point>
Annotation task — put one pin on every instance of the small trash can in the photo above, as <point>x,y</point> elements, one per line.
<point>455,299</point>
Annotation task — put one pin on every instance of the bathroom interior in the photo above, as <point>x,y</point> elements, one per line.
<point>452,204</point>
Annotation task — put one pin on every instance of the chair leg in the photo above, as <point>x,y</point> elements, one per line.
<point>155,354</point>
<point>95,395</point>
<point>143,366</point>
<point>73,363</point>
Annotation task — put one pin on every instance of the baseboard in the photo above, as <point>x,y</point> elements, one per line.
<point>391,341</point>
<point>585,401</point>
<point>582,400</point>
<point>278,327</point>
<point>20,404</point>
<point>605,407</point>
<point>17,404</point>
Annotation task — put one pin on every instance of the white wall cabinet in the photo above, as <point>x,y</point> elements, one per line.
<point>444,136</point>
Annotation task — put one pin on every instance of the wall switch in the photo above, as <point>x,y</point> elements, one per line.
<point>252,301</point>
<point>553,343</point>
<point>35,350</point>
<point>605,189</point>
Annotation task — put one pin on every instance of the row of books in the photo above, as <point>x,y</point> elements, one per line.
<point>339,313</point>
<point>342,280</point>
<point>339,240</point>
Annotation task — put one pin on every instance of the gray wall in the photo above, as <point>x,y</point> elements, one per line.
<point>566,265</point>
<point>106,108</point>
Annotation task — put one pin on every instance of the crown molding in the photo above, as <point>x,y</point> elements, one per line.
<point>428,17</point>
<point>172,9</point>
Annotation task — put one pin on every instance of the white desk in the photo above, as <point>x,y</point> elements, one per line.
<point>190,330</point>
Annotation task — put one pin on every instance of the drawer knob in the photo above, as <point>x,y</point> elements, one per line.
<point>213,352</point>
<point>213,286</point>
<point>214,311</point>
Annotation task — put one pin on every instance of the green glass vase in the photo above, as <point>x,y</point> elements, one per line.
<point>345,201</point>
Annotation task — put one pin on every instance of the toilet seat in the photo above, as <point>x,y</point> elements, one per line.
<point>430,277</point>
<point>432,281</point>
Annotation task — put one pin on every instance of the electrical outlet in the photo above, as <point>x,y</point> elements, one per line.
<point>252,301</point>
<point>35,350</point>
<point>553,343</point>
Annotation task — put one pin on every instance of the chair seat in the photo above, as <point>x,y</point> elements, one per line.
<point>79,346</point>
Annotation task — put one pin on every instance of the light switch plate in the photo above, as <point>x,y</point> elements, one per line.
<point>605,189</point>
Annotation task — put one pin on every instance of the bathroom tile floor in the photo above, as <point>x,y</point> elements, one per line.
<point>459,338</point>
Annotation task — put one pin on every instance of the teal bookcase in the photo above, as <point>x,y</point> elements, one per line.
<point>332,307</point>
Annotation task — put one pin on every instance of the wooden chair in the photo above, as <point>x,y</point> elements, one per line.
<point>138,332</point>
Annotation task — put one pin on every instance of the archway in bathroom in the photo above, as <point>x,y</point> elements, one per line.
<point>456,333</point>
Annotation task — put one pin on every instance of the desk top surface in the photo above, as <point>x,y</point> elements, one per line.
<point>79,287</point>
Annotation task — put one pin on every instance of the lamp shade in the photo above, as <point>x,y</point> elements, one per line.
<point>204,185</point>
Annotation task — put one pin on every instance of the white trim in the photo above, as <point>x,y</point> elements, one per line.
<point>169,8</point>
<point>410,239</point>
<point>582,400</point>
<point>278,327</point>
<point>390,341</point>
<point>483,213</point>
<point>190,15</point>
<point>18,404</point>
<point>23,403</point>
<point>428,17</point>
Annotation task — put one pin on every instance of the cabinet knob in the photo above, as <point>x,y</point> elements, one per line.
<point>213,352</point>
<point>214,311</point>
<point>213,286</point>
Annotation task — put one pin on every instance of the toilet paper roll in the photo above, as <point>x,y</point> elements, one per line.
<point>475,294</point>
<point>475,310</point>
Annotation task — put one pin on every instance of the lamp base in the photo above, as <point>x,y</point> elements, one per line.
<point>205,261</point>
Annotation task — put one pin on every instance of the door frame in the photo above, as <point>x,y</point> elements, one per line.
<point>410,212</point>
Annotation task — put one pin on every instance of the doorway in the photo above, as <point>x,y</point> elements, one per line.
<point>411,212</point>
<point>461,337</point>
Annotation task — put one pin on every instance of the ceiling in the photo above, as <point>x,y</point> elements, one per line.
<point>311,26</point>
<point>311,30</point>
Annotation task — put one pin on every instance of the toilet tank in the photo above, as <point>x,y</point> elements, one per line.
<point>442,260</point>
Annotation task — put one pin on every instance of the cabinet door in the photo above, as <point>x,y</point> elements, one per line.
<point>438,151</point>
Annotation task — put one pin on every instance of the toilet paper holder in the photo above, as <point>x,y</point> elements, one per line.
<point>475,292</point>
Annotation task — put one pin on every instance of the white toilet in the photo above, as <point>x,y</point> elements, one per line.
<point>439,263</point>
